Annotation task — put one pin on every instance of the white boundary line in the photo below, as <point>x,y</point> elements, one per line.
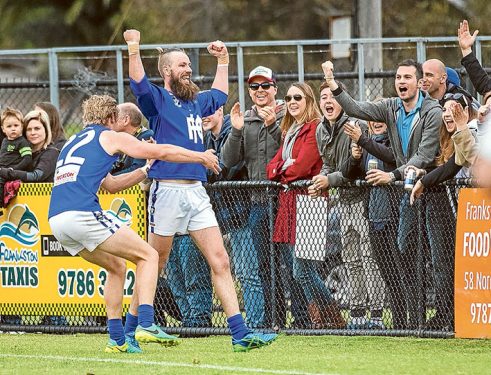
<point>161,364</point>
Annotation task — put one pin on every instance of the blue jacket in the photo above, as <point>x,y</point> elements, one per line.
<point>381,202</point>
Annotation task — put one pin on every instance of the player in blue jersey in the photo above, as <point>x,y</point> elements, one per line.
<point>82,227</point>
<point>178,201</point>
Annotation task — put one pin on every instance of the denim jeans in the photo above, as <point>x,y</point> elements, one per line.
<point>292,286</point>
<point>284,283</point>
<point>440,224</point>
<point>306,273</point>
<point>188,276</point>
<point>407,240</point>
<point>245,261</point>
<point>386,254</point>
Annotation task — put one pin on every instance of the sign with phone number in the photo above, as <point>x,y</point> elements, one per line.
<point>84,282</point>
<point>37,273</point>
<point>473,265</point>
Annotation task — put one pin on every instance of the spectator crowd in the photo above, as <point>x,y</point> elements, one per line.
<point>430,130</point>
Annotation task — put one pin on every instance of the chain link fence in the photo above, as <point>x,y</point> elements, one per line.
<point>359,260</point>
<point>339,269</point>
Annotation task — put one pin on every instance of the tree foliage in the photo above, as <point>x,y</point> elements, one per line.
<point>47,23</point>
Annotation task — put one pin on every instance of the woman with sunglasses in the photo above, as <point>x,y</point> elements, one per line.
<point>298,159</point>
<point>457,152</point>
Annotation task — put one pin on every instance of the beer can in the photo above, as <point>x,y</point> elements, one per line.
<point>409,181</point>
<point>372,164</point>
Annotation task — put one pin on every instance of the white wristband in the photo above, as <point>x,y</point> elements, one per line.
<point>145,169</point>
<point>133,48</point>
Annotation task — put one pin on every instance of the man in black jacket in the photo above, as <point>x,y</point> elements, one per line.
<point>478,76</point>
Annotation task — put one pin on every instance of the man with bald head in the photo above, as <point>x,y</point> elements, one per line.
<point>439,81</point>
<point>434,78</point>
<point>130,121</point>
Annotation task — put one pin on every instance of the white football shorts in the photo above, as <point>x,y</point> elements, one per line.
<point>175,208</point>
<point>78,230</point>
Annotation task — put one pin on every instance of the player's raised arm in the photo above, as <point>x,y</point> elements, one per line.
<point>136,70</point>
<point>219,50</point>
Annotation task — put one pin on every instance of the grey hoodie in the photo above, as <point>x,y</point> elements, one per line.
<point>335,150</point>
<point>255,143</point>
<point>424,141</point>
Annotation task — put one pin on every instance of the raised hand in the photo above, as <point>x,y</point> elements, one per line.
<point>237,117</point>
<point>131,35</point>
<point>352,130</point>
<point>219,50</point>
<point>328,69</point>
<point>460,116</point>
<point>268,114</point>
<point>466,40</point>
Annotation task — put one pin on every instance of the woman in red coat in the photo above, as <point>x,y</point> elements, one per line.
<point>298,159</point>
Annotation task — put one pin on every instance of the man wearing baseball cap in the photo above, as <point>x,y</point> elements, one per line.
<point>255,140</point>
<point>262,72</point>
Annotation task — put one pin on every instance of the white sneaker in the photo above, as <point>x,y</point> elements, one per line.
<point>376,323</point>
<point>358,322</point>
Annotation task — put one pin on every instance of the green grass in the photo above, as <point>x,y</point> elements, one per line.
<point>82,354</point>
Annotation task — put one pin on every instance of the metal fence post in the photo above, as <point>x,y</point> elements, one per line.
<point>119,75</point>
<point>272,257</point>
<point>194,58</point>
<point>301,67</point>
<point>53,78</point>
<point>240,77</point>
<point>361,72</point>
<point>420,265</point>
<point>421,51</point>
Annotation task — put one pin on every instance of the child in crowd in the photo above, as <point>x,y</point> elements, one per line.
<point>15,151</point>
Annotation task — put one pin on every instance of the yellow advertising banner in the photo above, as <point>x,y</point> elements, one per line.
<point>473,265</point>
<point>37,276</point>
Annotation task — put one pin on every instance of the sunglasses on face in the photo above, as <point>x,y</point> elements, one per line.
<point>458,98</point>
<point>296,97</point>
<point>264,86</point>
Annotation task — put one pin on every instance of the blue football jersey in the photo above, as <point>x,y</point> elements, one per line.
<point>176,122</point>
<point>80,169</point>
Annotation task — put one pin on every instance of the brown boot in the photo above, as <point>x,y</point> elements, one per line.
<point>315,316</point>
<point>331,316</point>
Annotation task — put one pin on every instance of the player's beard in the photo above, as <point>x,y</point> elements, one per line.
<point>183,91</point>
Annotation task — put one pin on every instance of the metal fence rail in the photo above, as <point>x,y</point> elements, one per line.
<point>311,266</point>
<point>65,76</point>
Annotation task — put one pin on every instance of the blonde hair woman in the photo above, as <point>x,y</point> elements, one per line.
<point>37,130</point>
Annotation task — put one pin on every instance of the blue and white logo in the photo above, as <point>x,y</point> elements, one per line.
<point>121,210</point>
<point>21,226</point>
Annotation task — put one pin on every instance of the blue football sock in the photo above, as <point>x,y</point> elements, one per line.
<point>116,331</point>
<point>237,326</point>
<point>145,315</point>
<point>130,323</point>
